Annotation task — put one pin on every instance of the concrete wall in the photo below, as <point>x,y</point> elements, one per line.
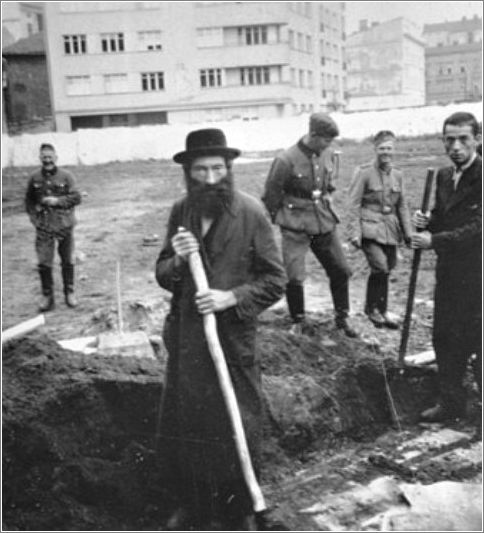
<point>89,147</point>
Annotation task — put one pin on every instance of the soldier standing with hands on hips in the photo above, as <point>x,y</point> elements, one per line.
<point>50,199</point>
<point>454,230</point>
<point>378,220</point>
<point>298,197</point>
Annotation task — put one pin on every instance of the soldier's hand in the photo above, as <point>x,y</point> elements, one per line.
<point>214,300</point>
<point>422,240</point>
<point>421,220</point>
<point>184,243</point>
<point>50,200</point>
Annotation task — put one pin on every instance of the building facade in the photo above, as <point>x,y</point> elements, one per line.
<point>386,66</point>
<point>132,63</point>
<point>20,20</point>
<point>453,61</point>
<point>26,91</point>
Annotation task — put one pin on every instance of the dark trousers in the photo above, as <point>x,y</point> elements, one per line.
<point>457,336</point>
<point>328,251</point>
<point>45,246</point>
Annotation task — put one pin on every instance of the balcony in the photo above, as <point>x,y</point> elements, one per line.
<point>245,94</point>
<point>235,56</point>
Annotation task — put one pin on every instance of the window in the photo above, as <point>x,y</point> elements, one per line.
<point>115,83</point>
<point>310,79</point>
<point>255,76</point>
<point>301,78</point>
<point>293,77</point>
<point>75,44</point>
<point>211,77</point>
<point>291,39</point>
<point>208,37</point>
<point>150,40</point>
<point>309,44</point>
<point>152,81</point>
<point>321,27</point>
<point>78,85</point>
<point>251,35</point>
<point>462,69</point>
<point>112,42</point>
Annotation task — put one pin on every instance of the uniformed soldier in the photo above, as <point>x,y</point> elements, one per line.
<point>50,199</point>
<point>378,221</point>
<point>298,197</point>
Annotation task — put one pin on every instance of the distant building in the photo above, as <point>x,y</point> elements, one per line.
<point>386,66</point>
<point>26,83</point>
<point>453,61</point>
<point>133,63</point>
<point>20,20</point>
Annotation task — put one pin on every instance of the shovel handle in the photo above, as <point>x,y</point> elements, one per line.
<point>215,348</point>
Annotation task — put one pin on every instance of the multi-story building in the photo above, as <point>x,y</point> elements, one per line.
<point>20,20</point>
<point>129,63</point>
<point>386,66</point>
<point>453,61</point>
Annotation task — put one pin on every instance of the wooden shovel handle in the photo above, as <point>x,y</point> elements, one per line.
<point>215,348</point>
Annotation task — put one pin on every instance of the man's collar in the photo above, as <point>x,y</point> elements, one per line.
<point>46,172</point>
<point>467,165</point>
<point>305,148</point>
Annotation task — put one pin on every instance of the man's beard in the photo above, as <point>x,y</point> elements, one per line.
<point>209,200</point>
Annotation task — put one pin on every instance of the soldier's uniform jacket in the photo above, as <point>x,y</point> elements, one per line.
<point>297,190</point>
<point>59,183</point>
<point>377,206</point>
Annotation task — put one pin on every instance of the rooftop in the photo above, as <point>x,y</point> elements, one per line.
<point>33,45</point>
<point>464,24</point>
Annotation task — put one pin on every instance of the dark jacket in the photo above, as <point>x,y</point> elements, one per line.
<point>61,184</point>
<point>456,227</point>
<point>377,206</point>
<point>288,195</point>
<point>240,254</point>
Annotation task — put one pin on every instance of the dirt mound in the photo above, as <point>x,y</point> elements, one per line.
<point>79,430</point>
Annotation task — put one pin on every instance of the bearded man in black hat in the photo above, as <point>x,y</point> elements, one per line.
<point>298,197</point>
<point>234,237</point>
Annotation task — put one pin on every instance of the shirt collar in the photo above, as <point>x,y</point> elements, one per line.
<point>305,148</point>
<point>467,165</point>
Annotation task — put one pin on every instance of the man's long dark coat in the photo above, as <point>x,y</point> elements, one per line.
<point>456,227</point>
<point>240,254</point>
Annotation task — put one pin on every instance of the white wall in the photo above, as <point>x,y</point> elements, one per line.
<point>89,147</point>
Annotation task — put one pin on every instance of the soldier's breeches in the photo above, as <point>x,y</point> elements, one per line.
<point>381,258</point>
<point>45,246</point>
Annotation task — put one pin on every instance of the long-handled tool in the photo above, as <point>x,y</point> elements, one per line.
<point>215,348</point>
<point>22,329</point>
<point>413,275</point>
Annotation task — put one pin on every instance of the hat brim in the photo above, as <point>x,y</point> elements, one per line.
<point>189,155</point>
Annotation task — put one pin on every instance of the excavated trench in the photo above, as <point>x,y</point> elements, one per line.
<point>79,430</point>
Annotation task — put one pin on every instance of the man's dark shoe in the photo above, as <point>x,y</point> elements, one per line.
<point>377,319</point>
<point>342,323</point>
<point>438,414</point>
<point>46,304</point>
<point>390,322</point>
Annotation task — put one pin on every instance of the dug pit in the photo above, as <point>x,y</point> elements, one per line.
<point>79,430</point>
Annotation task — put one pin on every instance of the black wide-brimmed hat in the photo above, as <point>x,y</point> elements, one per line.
<point>206,142</point>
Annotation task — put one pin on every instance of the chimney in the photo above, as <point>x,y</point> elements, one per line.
<point>363,24</point>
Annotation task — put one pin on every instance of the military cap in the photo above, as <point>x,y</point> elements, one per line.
<point>323,125</point>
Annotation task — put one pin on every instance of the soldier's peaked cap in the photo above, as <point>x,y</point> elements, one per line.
<point>323,125</point>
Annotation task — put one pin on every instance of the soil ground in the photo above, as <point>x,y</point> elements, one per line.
<point>78,430</point>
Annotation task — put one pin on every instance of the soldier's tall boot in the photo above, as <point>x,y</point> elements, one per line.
<point>295,303</point>
<point>47,283</point>
<point>390,323</point>
<point>374,300</point>
<point>68,279</point>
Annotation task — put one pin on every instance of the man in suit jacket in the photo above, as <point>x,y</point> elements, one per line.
<point>454,231</point>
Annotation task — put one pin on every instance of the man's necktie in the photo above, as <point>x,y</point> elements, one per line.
<point>456,177</point>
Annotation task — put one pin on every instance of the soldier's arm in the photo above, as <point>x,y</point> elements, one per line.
<point>30,200</point>
<point>274,187</point>
<point>355,195</point>
<point>404,213</point>
<point>72,196</point>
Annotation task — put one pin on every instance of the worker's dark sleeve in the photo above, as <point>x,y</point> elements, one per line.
<point>31,201</point>
<point>274,187</point>
<point>169,267</point>
<point>269,281</point>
